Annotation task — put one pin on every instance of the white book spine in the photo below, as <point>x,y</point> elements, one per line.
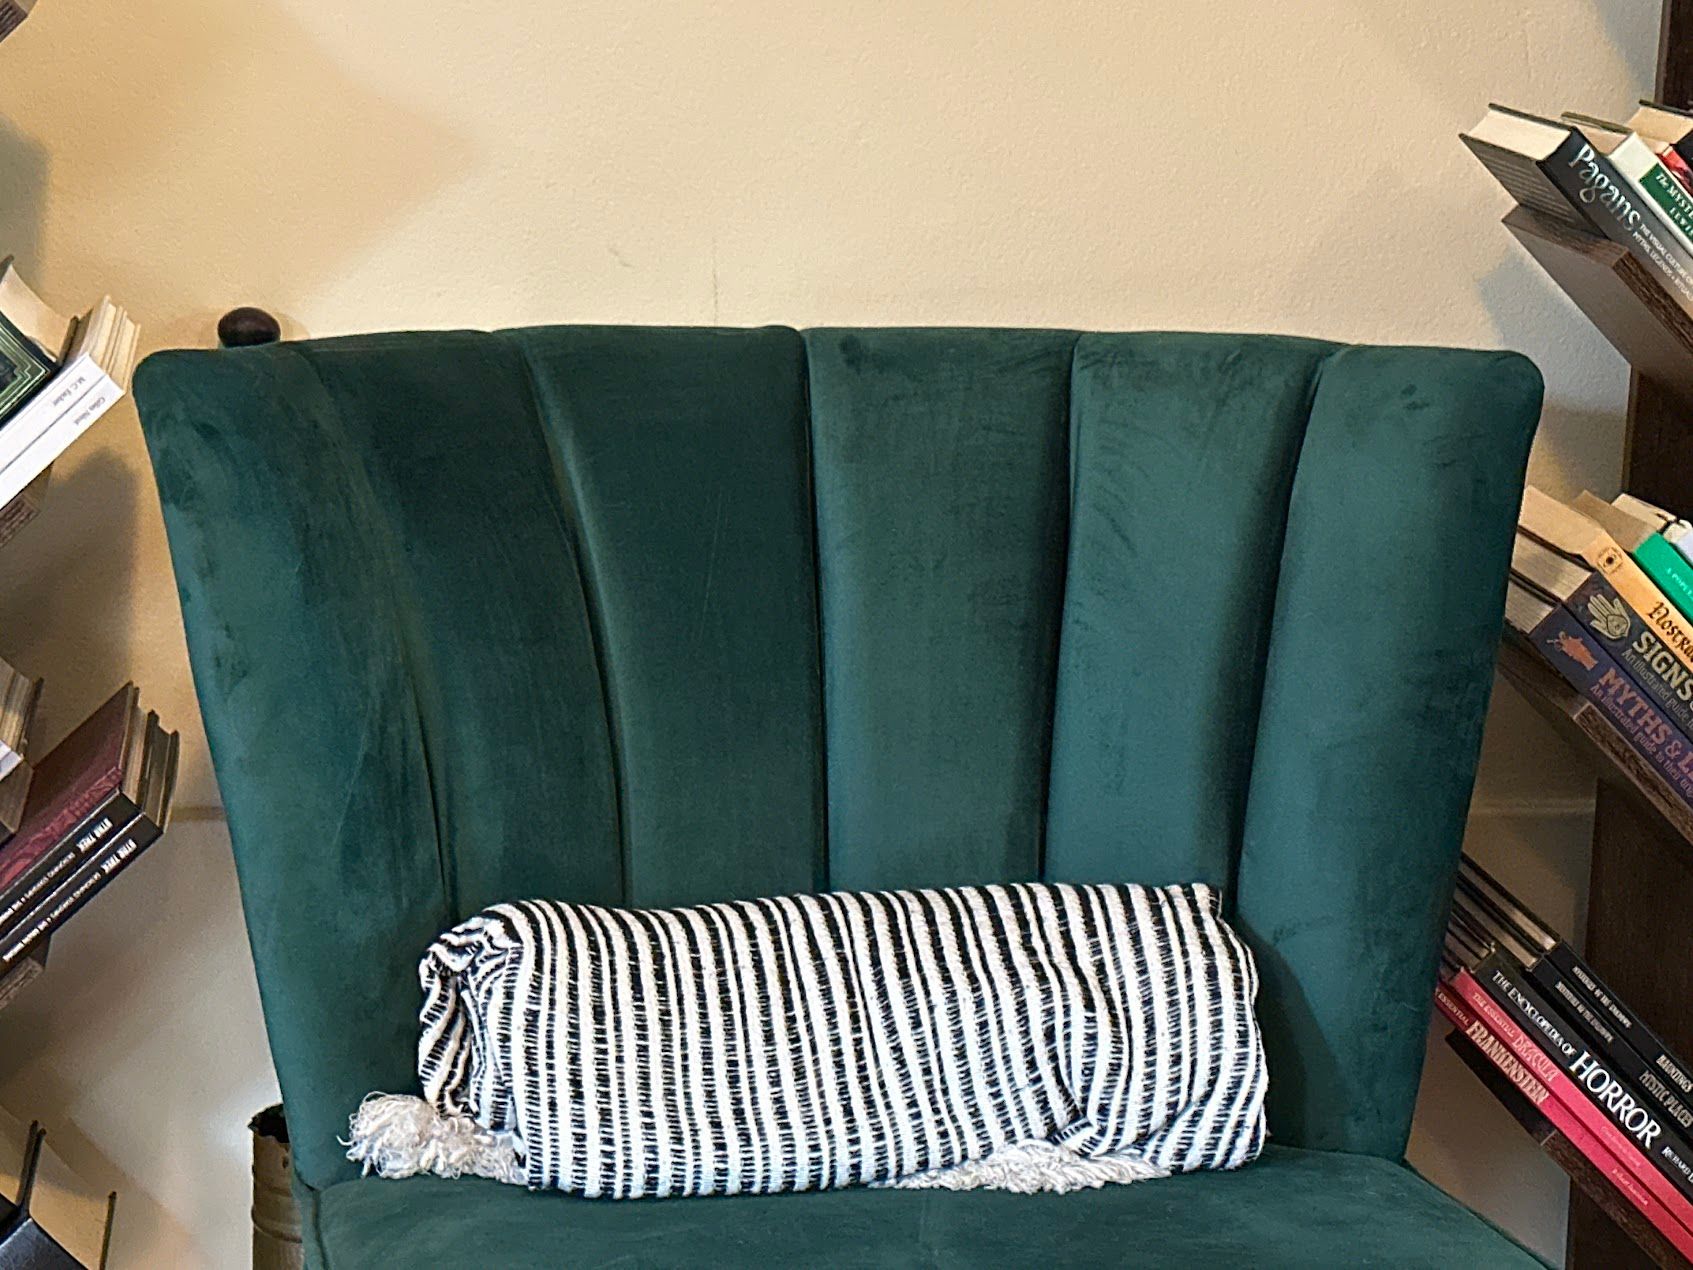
<point>43,410</point>
<point>98,394</point>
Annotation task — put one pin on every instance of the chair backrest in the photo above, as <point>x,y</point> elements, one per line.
<point>653,616</point>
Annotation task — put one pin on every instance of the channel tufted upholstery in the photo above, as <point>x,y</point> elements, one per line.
<point>653,616</point>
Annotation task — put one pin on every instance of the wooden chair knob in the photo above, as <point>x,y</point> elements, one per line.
<point>245,326</point>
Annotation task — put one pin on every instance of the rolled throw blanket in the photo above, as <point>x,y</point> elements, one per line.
<point>1028,1037</point>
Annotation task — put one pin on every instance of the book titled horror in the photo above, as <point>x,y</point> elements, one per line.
<point>1630,1145</point>
<point>1610,1176</point>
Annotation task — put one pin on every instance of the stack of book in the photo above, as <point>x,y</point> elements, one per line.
<point>96,801</point>
<point>1602,595</point>
<point>57,376</point>
<point>1599,610</point>
<point>1630,182</point>
<point>1583,1073</point>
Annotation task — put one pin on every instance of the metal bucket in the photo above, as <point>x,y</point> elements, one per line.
<point>276,1217</point>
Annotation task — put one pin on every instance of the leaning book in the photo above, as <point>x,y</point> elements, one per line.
<point>94,377</point>
<point>1554,634</point>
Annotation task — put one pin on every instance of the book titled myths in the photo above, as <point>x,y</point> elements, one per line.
<point>1632,643</point>
<point>1585,665</point>
<point>1580,659</point>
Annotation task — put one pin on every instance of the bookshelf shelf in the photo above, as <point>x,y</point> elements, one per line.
<point>1581,724</point>
<point>1640,887</point>
<point>1583,1175</point>
<point>1629,306</point>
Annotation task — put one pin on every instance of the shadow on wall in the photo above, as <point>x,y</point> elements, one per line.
<point>1524,304</point>
<point>70,592</point>
<point>193,177</point>
<point>23,178</point>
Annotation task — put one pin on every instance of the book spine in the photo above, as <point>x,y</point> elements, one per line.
<point>1659,1057</point>
<point>1588,668</point>
<point>17,897</point>
<point>57,397</point>
<point>63,903</point>
<point>1646,173</point>
<point>59,433</point>
<point>1663,564</point>
<point>1638,591</point>
<point>1589,181</point>
<point>1571,1097</point>
<point>1562,1119</point>
<point>1624,1059</point>
<point>1635,647</point>
<point>1665,1149</point>
<point>1676,163</point>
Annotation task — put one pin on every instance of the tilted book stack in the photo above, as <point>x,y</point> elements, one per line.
<point>57,376</point>
<point>1581,1071</point>
<point>1629,182</point>
<point>99,799</point>
<point>1599,606</point>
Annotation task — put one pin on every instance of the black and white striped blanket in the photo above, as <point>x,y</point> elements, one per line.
<point>1031,1036</point>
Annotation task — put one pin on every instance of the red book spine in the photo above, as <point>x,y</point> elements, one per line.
<point>1564,1120</point>
<point>1565,1093</point>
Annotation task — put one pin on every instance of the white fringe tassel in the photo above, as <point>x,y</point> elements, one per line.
<point>398,1135</point>
<point>1028,1167</point>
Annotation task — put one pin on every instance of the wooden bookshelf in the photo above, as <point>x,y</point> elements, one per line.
<point>1640,890</point>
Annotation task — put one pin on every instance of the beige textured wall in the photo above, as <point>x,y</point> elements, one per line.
<point>354,166</point>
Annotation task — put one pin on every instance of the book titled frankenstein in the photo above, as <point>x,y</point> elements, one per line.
<point>1617,1160</point>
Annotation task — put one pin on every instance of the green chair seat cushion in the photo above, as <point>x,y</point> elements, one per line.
<point>1291,1208</point>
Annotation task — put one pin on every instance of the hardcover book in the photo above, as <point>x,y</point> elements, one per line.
<point>1477,918</point>
<point>1561,641</point>
<point>1622,632</point>
<point>1570,533</point>
<point>1580,980</point>
<point>1674,130</point>
<point>1641,539</point>
<point>1557,1128</point>
<point>1552,168</point>
<point>97,856</point>
<point>1631,1133</point>
<point>74,781</point>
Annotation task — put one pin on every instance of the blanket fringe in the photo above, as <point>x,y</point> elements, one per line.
<point>398,1135</point>
<point>1033,1166</point>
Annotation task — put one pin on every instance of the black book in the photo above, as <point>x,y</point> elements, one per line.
<point>1586,1021</point>
<point>1509,987</point>
<point>1568,978</point>
<point>67,899</point>
<point>96,866</point>
<point>1551,168</point>
<point>1587,1176</point>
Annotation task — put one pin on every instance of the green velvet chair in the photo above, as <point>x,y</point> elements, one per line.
<point>651,616</point>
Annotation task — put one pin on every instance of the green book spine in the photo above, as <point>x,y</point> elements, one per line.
<point>1669,569</point>
<point>1675,203</point>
